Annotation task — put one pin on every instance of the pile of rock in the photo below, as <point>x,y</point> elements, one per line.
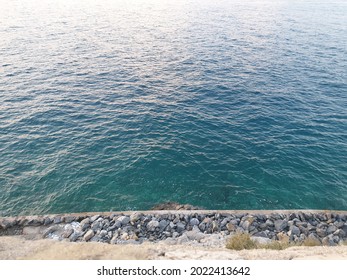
<point>326,228</point>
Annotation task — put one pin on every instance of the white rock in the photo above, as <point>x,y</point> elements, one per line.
<point>152,225</point>
<point>261,240</point>
<point>124,220</point>
<point>89,234</point>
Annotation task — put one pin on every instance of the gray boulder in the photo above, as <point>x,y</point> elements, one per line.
<point>163,224</point>
<point>124,220</point>
<point>331,229</point>
<point>74,236</point>
<point>269,223</point>
<point>51,229</point>
<point>180,227</point>
<point>117,224</point>
<point>195,235</point>
<point>295,231</point>
<point>94,218</point>
<point>96,226</point>
<point>194,222</point>
<point>68,230</point>
<point>152,225</point>
<point>329,241</point>
<point>314,237</point>
<point>280,225</point>
<point>89,235</point>
<point>340,233</point>
<point>262,234</point>
<point>103,233</point>
<point>321,231</point>
<point>85,223</point>
<point>224,222</point>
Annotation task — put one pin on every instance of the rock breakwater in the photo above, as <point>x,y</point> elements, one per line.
<point>203,227</point>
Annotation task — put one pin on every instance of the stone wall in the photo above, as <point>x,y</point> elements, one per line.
<point>328,228</point>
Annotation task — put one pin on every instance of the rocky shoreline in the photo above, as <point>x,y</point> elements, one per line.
<point>199,227</point>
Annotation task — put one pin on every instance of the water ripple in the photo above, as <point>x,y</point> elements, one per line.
<point>111,105</point>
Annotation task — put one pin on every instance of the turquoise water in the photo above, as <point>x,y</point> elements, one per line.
<point>118,105</point>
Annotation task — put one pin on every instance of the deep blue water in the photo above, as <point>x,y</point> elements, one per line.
<point>120,104</point>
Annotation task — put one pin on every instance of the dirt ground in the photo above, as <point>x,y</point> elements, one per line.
<point>17,247</point>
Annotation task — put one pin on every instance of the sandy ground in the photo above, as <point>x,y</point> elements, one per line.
<point>12,247</point>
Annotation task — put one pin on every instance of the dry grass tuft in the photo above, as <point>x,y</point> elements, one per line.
<point>275,245</point>
<point>241,241</point>
<point>311,242</point>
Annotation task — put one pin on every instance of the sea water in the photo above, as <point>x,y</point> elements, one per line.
<point>123,104</point>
